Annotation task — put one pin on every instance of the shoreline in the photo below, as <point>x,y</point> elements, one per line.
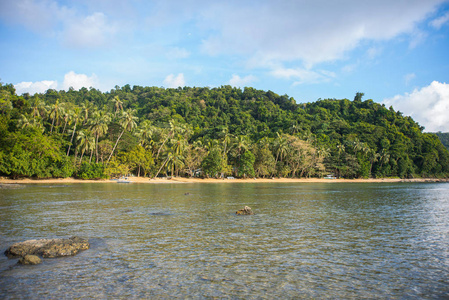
<point>147,180</point>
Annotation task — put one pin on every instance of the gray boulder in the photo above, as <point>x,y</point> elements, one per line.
<point>245,211</point>
<point>30,260</point>
<point>48,248</point>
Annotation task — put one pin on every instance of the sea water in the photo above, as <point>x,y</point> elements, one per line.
<point>306,240</point>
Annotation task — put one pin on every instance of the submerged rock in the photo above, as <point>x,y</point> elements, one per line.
<point>48,248</point>
<point>245,211</point>
<point>30,260</point>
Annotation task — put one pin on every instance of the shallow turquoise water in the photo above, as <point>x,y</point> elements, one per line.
<point>329,240</point>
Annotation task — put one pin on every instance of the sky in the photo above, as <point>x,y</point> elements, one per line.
<point>395,52</point>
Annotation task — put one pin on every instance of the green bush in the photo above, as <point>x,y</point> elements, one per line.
<point>91,171</point>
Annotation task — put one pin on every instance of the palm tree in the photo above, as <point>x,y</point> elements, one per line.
<point>226,140</point>
<point>384,157</point>
<point>23,122</point>
<point>86,142</point>
<point>99,126</point>
<point>241,144</point>
<point>373,157</point>
<point>128,122</point>
<point>38,108</point>
<point>281,147</point>
<point>66,116</point>
<point>175,127</point>
<point>76,113</point>
<point>118,105</point>
<point>55,111</point>
<point>145,132</point>
<point>86,109</point>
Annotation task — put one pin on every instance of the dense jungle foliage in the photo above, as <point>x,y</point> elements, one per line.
<point>444,138</point>
<point>210,132</point>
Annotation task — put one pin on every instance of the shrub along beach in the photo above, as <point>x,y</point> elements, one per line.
<point>189,133</point>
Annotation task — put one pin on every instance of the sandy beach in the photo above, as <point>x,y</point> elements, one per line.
<point>212,180</point>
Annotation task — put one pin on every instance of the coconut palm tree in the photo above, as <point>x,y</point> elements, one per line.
<point>86,108</point>
<point>99,126</point>
<point>76,114</point>
<point>24,122</point>
<point>38,108</point>
<point>281,147</point>
<point>86,142</point>
<point>145,132</point>
<point>66,116</point>
<point>128,122</point>
<point>118,105</point>
<point>55,111</point>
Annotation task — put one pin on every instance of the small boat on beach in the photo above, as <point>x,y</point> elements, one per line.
<point>123,180</point>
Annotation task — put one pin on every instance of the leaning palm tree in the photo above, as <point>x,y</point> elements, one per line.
<point>128,122</point>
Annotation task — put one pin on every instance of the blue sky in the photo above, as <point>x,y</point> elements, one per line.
<point>396,52</point>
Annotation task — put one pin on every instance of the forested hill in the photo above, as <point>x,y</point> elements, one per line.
<point>213,132</point>
<point>444,138</point>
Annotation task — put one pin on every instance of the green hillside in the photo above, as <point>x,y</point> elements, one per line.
<point>208,132</point>
<point>444,138</point>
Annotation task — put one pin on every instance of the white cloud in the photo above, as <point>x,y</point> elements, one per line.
<point>50,18</point>
<point>301,75</point>
<point>439,22</point>
<point>71,79</point>
<point>37,16</point>
<point>91,31</point>
<point>237,81</point>
<point>173,82</point>
<point>78,81</point>
<point>409,77</point>
<point>35,87</point>
<point>310,31</point>
<point>429,106</point>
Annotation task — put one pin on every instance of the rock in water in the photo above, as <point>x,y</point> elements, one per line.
<point>48,247</point>
<point>245,211</point>
<point>30,260</point>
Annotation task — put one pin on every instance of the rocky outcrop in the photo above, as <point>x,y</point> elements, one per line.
<point>245,211</point>
<point>30,260</point>
<point>48,248</point>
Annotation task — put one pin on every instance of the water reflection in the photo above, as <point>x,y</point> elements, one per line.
<point>165,241</point>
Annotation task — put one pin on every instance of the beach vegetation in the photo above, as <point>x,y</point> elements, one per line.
<point>210,132</point>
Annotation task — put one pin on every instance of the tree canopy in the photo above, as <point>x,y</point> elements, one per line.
<point>200,131</point>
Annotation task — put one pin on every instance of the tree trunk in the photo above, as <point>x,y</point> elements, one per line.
<point>65,124</point>
<point>157,156</point>
<point>96,149</point>
<point>52,123</point>
<point>161,167</point>
<point>71,140</point>
<point>81,159</point>
<point>113,149</point>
